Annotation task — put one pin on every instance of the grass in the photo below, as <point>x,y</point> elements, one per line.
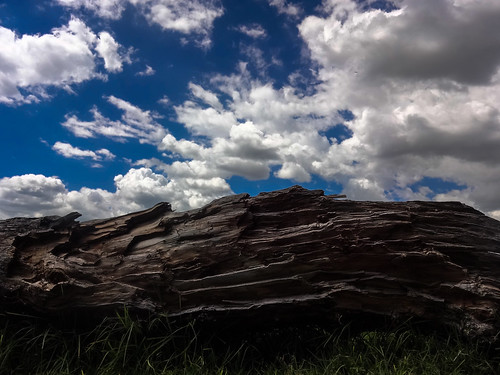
<point>125,345</point>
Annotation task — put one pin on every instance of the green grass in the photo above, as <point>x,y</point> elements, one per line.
<point>124,345</point>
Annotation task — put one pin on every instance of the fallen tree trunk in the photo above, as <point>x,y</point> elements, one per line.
<point>287,254</point>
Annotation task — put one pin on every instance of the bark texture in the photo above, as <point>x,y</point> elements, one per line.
<point>287,254</point>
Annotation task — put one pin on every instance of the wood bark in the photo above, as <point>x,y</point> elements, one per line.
<point>289,254</point>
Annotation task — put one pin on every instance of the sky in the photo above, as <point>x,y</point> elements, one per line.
<point>111,106</point>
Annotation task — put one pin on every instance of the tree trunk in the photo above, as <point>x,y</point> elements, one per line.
<point>289,254</point>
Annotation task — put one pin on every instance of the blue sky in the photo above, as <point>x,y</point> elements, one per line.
<point>110,106</point>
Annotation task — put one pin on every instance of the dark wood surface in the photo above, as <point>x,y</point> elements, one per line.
<point>285,255</point>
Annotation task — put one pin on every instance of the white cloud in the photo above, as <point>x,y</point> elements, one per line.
<point>260,59</point>
<point>409,43</point>
<point>103,8</point>
<point>245,153</point>
<point>31,195</point>
<point>205,121</point>
<point>38,195</point>
<point>185,148</point>
<point>424,94</point>
<point>245,150</point>
<point>145,188</point>
<point>254,30</point>
<point>149,71</point>
<point>285,7</point>
<point>134,123</point>
<point>494,214</point>
<point>69,151</point>
<point>293,171</point>
<point>361,188</point>
<point>255,56</point>
<point>260,128</point>
<point>186,17</point>
<point>165,101</point>
<point>205,96</point>
<point>32,63</point>
<point>409,122</point>
<point>107,48</point>
<point>105,154</point>
<point>422,82</point>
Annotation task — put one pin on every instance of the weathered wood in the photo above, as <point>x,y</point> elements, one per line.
<point>289,253</point>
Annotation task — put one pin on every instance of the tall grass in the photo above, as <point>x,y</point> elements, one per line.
<point>126,345</point>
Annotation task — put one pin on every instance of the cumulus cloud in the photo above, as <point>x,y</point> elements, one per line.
<point>205,121</point>
<point>108,48</point>
<point>422,83</point>
<point>134,123</point>
<point>423,40</point>
<point>69,151</point>
<point>258,129</point>
<point>183,16</point>
<point>249,149</point>
<point>245,152</point>
<point>186,17</point>
<point>38,195</point>
<point>293,171</point>
<point>205,96</point>
<point>31,63</point>
<point>421,80</point>
<point>34,194</point>
<point>410,120</point>
<point>144,187</point>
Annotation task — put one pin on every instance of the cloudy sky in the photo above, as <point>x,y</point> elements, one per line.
<point>110,106</point>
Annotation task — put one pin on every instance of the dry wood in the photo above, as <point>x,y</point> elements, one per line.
<point>287,254</point>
